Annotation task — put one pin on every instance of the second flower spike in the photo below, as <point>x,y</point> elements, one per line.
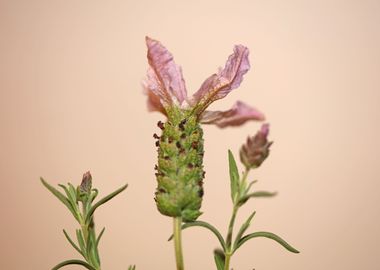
<point>256,149</point>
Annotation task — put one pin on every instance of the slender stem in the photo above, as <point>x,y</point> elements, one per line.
<point>177,222</point>
<point>235,209</point>
<point>231,228</point>
<point>227,261</point>
<point>244,176</point>
<point>88,231</point>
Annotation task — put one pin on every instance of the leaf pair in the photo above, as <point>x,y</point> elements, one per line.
<point>240,239</point>
<point>73,196</point>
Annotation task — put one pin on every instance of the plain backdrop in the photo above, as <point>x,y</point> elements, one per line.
<point>71,100</point>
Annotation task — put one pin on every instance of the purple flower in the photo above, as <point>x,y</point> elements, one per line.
<point>86,184</point>
<point>166,89</point>
<point>256,149</point>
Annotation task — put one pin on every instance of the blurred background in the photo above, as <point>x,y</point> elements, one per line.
<point>71,100</point>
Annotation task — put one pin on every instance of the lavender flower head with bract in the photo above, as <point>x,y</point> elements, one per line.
<point>180,146</point>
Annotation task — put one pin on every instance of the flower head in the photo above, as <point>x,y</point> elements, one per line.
<point>86,183</point>
<point>166,89</point>
<point>180,147</point>
<point>256,149</point>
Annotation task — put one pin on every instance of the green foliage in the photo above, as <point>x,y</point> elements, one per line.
<point>77,262</point>
<point>219,258</point>
<point>240,194</point>
<point>258,194</point>
<point>69,204</point>
<point>244,227</point>
<point>207,226</point>
<point>103,201</point>
<point>79,201</point>
<point>234,177</point>
<point>269,235</point>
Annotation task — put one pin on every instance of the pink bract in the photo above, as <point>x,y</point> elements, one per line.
<point>165,87</point>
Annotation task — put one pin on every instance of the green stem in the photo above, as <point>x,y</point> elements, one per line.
<point>231,228</point>
<point>228,252</point>
<point>177,222</point>
<point>244,176</point>
<point>227,261</point>
<point>87,229</point>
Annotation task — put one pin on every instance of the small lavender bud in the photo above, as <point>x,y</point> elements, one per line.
<point>86,184</point>
<point>256,149</point>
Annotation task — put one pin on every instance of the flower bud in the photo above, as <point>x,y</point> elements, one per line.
<point>256,149</point>
<point>86,184</point>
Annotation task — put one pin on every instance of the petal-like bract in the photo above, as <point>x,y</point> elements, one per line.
<point>236,116</point>
<point>217,86</point>
<point>165,78</point>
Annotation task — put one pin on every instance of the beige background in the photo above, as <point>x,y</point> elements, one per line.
<point>71,101</point>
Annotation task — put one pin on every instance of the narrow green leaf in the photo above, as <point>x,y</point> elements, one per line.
<point>100,236</point>
<point>262,194</point>
<point>78,262</point>
<point>234,176</point>
<point>243,228</point>
<point>73,192</point>
<point>81,243</point>
<point>89,242</point>
<point>207,226</point>
<point>72,200</point>
<point>91,248</point>
<point>72,243</point>
<point>219,258</point>
<point>60,196</point>
<point>256,194</point>
<point>104,200</point>
<point>132,267</point>
<point>266,235</point>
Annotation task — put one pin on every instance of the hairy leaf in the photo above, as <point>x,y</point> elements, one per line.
<point>234,176</point>
<point>256,194</point>
<point>104,200</point>
<point>266,235</point>
<point>81,242</point>
<point>100,236</point>
<point>243,228</point>
<point>69,262</point>
<point>219,258</point>
<point>207,226</point>
<point>72,243</point>
<point>61,197</point>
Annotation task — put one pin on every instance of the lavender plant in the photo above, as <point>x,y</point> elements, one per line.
<point>179,169</point>
<point>181,148</point>
<point>252,155</point>
<point>80,202</point>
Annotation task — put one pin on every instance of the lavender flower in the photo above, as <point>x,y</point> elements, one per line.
<point>256,149</point>
<point>180,146</point>
<point>166,88</point>
<point>86,183</point>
